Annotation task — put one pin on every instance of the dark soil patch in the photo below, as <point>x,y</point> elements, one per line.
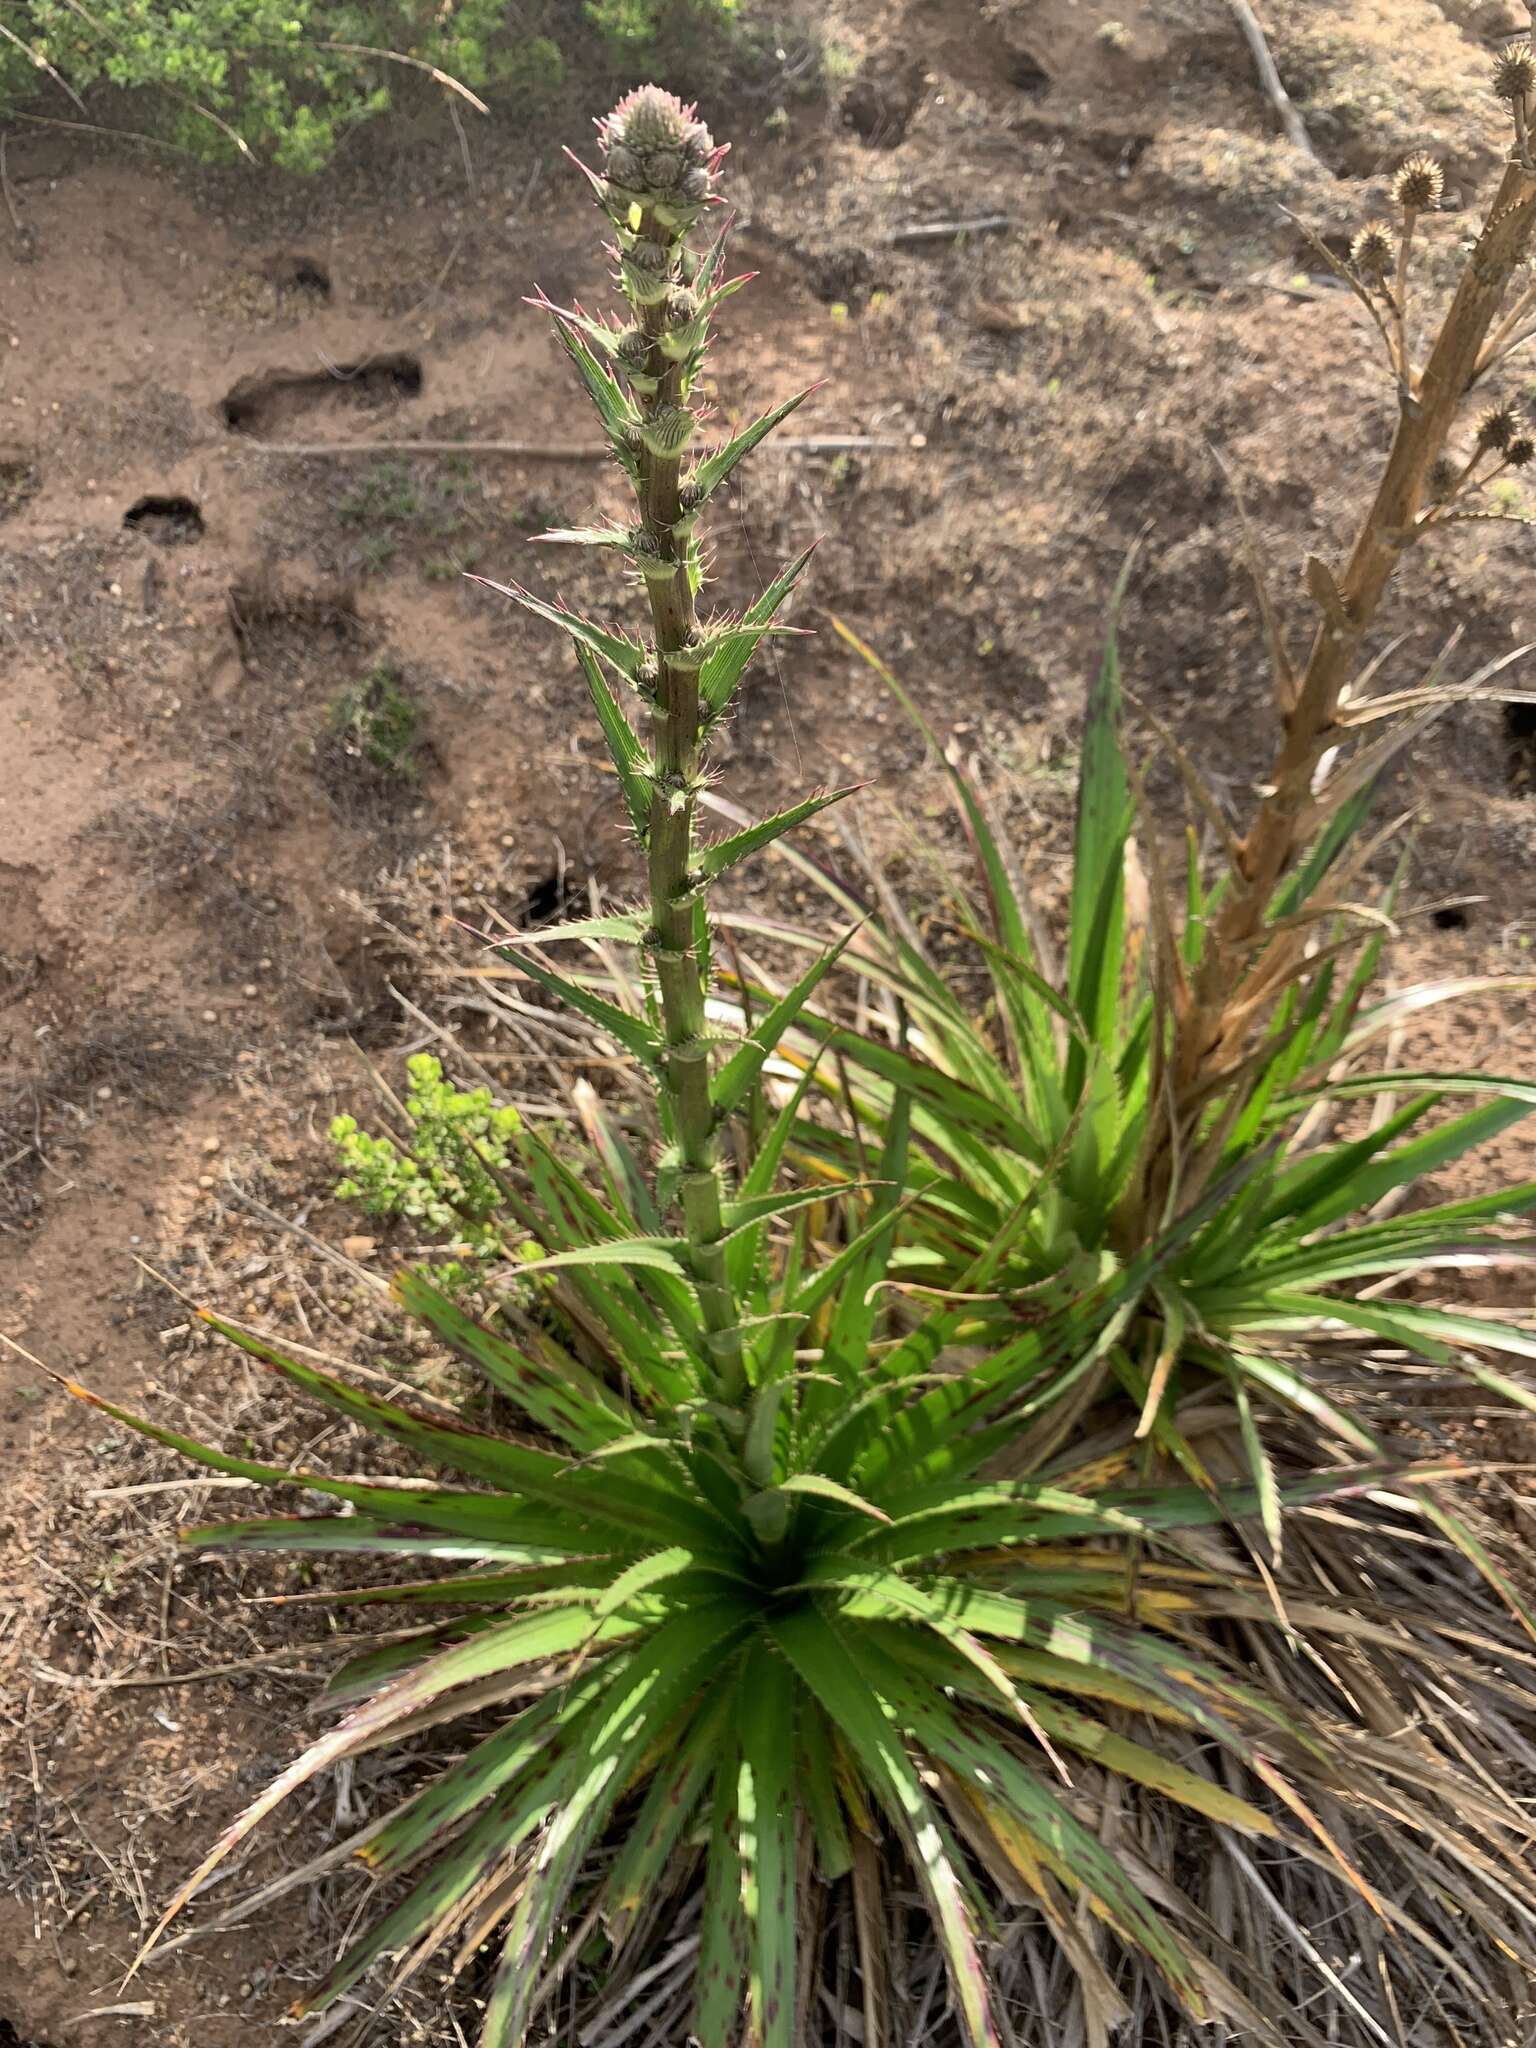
<point>170,521</point>
<point>305,275</point>
<point>268,400</point>
<point>20,479</point>
<point>1520,747</point>
<point>879,106</point>
<point>270,623</point>
<point>1027,75</point>
<point>558,893</point>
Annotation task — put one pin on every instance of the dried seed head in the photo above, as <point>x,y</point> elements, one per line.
<point>1419,185</point>
<point>1442,475</point>
<point>1514,73</point>
<point>1373,252</point>
<point>1499,426</point>
<point>1521,452</point>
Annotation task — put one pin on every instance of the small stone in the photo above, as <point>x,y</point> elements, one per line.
<point>250,990</point>
<point>210,1016</point>
<point>205,1180</point>
<point>359,1247</point>
<point>211,1144</point>
<point>103,1094</point>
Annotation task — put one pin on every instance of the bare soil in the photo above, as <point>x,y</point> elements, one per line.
<point>187,977</point>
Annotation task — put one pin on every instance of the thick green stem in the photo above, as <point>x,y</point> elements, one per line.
<point>677,911</point>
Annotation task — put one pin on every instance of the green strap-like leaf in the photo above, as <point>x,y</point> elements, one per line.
<point>573,1404</point>
<point>816,1486</point>
<point>618,651</point>
<point>1096,951</point>
<point>715,467</point>
<point>766,1811</point>
<point>366,1535</point>
<point>635,1034</point>
<point>720,1980</point>
<point>633,765</point>
<point>724,853</point>
<point>526,1640</point>
<point>641,1576</point>
<point>648,1857</point>
<point>817,1651</point>
<point>664,1254</point>
<point>614,409</point>
<point>819,1794</point>
<point>635,1710</point>
<point>629,927</point>
<point>725,665</point>
<point>739,1072</point>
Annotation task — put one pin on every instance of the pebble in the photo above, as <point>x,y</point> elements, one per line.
<point>103,1094</point>
<point>210,1016</point>
<point>210,1144</point>
<point>249,990</point>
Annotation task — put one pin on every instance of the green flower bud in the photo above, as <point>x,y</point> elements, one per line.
<point>668,432</point>
<point>624,167</point>
<point>646,271</point>
<point>658,153</point>
<point>663,168</point>
<point>648,118</point>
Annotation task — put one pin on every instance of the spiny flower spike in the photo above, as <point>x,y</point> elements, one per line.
<point>659,171</point>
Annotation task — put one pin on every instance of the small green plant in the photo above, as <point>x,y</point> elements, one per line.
<point>377,724</point>
<point>397,505</point>
<point>386,494</point>
<point>442,1175</point>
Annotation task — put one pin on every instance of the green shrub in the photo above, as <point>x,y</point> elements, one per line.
<point>278,77</point>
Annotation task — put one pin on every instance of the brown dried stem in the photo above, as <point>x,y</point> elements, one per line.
<point>1240,955</point>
